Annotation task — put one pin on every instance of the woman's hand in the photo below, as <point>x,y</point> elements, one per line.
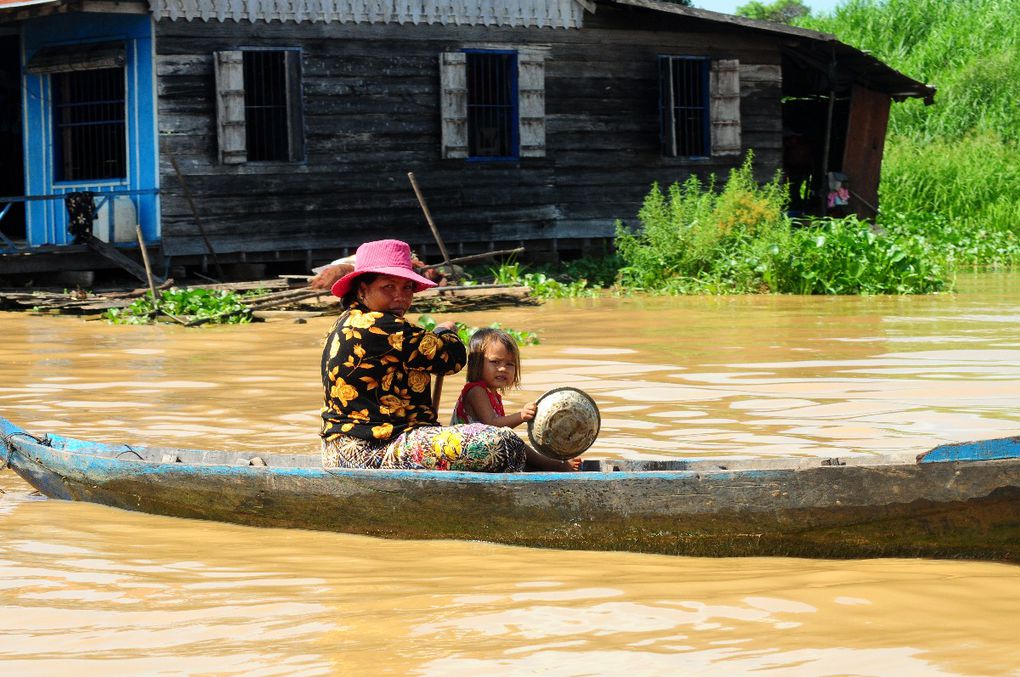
<point>450,325</point>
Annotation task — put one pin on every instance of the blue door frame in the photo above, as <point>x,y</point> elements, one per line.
<point>46,219</point>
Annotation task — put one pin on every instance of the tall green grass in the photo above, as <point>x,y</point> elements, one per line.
<point>951,167</point>
<point>962,194</point>
<point>968,49</point>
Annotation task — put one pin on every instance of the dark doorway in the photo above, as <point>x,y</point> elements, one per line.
<point>12,156</point>
<point>815,117</point>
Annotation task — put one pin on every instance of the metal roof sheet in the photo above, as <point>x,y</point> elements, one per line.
<point>11,4</point>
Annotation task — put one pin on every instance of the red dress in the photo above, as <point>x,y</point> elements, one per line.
<point>460,410</point>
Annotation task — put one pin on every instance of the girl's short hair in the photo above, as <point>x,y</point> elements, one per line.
<point>480,340</point>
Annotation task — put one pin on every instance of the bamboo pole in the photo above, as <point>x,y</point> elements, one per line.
<point>428,217</point>
<point>198,220</point>
<point>148,270</point>
<point>152,288</point>
<point>475,257</point>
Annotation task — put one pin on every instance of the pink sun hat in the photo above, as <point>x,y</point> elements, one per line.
<point>387,257</point>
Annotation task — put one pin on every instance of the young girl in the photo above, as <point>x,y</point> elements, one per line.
<point>492,368</point>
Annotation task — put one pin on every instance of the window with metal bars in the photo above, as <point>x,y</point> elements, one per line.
<point>89,129</point>
<point>258,105</point>
<point>684,104</point>
<point>265,106</point>
<point>492,101</point>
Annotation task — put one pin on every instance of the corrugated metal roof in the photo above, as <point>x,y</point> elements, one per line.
<point>11,4</point>
<point>516,13</point>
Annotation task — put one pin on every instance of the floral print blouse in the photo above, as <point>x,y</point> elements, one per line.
<point>376,373</point>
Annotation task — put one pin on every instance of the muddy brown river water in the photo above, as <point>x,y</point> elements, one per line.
<point>89,590</point>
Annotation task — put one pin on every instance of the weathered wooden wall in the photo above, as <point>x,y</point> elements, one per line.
<point>371,108</point>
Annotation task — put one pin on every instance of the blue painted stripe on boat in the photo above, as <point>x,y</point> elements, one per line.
<point>83,455</point>
<point>99,468</point>
<point>7,429</point>
<point>985,450</point>
<point>84,446</point>
<point>84,452</point>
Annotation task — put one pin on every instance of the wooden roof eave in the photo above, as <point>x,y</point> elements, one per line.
<point>864,68</point>
<point>720,18</point>
<point>854,66</point>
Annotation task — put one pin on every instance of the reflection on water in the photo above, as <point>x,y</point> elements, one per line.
<point>93,590</point>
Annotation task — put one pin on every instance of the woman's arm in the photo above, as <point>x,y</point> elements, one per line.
<point>439,352</point>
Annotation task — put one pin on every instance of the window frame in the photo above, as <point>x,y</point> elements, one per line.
<point>60,129</point>
<point>233,105</point>
<point>531,128</point>
<point>267,105</point>
<point>668,121</point>
<point>514,95</point>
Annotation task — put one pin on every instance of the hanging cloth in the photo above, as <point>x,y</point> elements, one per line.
<point>81,212</point>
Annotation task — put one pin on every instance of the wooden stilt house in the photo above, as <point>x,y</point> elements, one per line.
<point>282,131</point>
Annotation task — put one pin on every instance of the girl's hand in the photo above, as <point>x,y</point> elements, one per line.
<point>528,412</point>
<point>537,461</point>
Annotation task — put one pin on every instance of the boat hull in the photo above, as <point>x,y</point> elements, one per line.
<point>947,509</point>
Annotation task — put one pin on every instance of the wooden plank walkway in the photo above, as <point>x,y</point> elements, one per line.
<point>280,295</point>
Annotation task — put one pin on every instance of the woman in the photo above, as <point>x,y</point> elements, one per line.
<point>376,378</point>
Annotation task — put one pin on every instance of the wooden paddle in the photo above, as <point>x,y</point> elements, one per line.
<point>437,392</point>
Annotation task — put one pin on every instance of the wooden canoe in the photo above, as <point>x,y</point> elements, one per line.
<point>955,501</point>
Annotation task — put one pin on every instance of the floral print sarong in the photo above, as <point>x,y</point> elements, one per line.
<point>474,447</point>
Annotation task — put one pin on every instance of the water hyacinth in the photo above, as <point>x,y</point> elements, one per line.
<point>464,331</point>
<point>213,306</point>
<point>740,240</point>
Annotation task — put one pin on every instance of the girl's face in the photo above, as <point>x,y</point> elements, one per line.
<point>388,294</point>
<point>499,368</point>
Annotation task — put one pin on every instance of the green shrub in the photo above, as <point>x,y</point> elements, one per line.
<point>959,241</point>
<point>740,240</point>
<point>694,240</point>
